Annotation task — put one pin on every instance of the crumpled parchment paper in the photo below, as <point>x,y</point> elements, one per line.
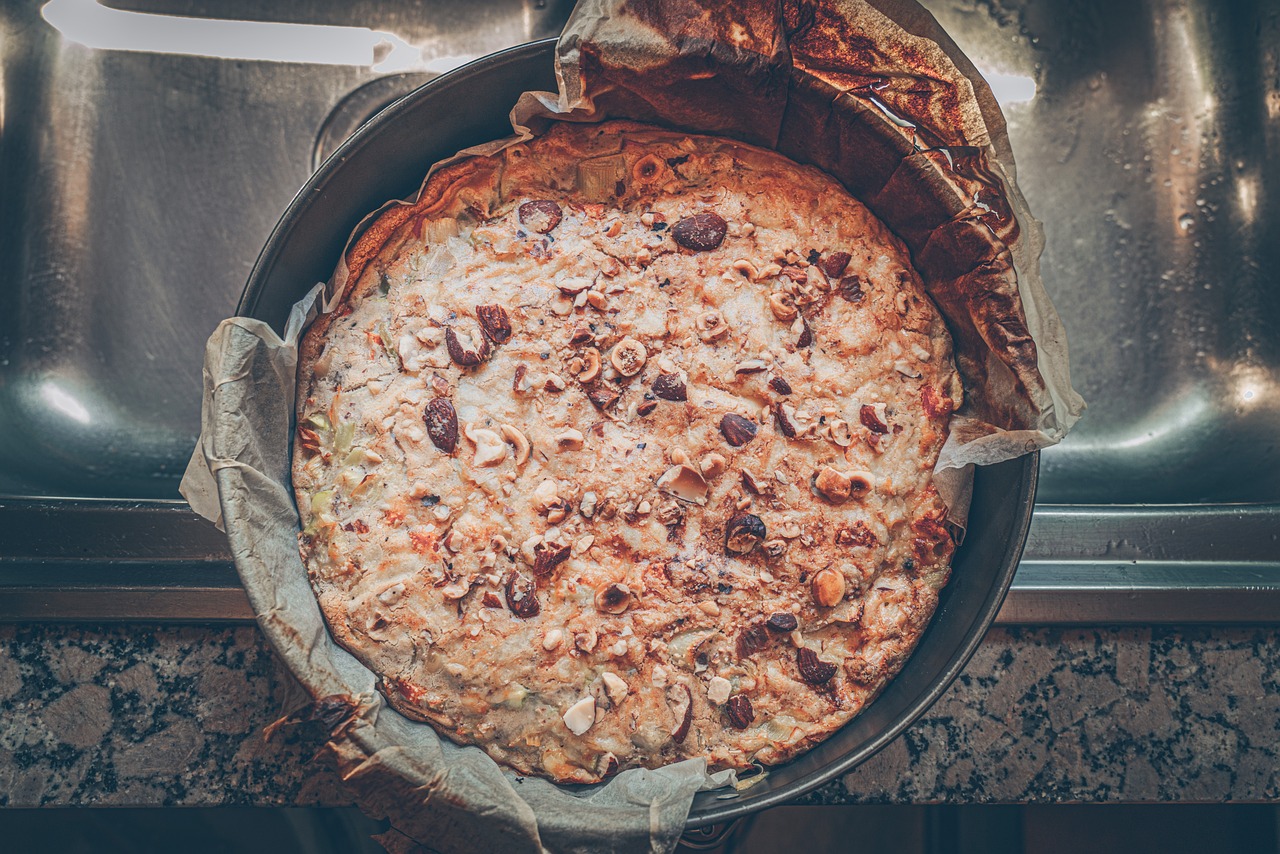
<point>873,92</point>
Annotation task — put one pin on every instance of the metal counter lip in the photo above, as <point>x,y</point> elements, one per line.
<point>102,560</point>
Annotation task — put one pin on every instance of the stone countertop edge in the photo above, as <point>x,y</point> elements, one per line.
<point>134,715</point>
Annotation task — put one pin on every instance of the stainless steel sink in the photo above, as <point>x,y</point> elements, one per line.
<point>147,147</point>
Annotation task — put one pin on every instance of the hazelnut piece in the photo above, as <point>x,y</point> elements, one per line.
<point>613,598</point>
<point>743,533</point>
<point>628,357</point>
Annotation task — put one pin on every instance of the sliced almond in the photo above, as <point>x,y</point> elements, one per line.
<point>570,440</point>
<point>581,715</point>
<point>684,483</point>
<point>614,687</point>
<point>490,449</point>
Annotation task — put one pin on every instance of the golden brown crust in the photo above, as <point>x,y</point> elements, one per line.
<point>619,451</point>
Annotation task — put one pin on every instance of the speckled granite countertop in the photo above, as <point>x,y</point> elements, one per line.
<point>140,715</point>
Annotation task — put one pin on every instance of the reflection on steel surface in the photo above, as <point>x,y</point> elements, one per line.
<point>88,23</point>
<point>137,186</point>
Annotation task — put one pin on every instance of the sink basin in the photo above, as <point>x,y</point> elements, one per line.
<point>146,150</point>
<point>138,185</point>
<point>1145,134</point>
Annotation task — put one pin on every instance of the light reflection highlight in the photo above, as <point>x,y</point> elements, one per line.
<point>64,402</point>
<point>1010,88</point>
<point>92,25</point>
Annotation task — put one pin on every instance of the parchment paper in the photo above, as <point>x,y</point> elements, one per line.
<point>870,90</point>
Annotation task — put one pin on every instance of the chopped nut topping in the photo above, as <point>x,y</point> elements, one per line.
<point>828,587</point>
<point>860,484</point>
<point>539,216</point>
<point>464,356</point>
<point>751,366</point>
<point>710,325</point>
<point>784,415</point>
<point>547,557</point>
<point>712,466</point>
<point>572,287</point>
<point>670,387</point>
<point>646,408</point>
<point>782,622</point>
<point>490,600</point>
<point>775,548</point>
<point>581,335</point>
<point>806,334</point>
<point>701,232</point>
<point>681,701</point>
<point>522,596</point>
<point>554,383</point>
<point>589,367</point>
<point>685,483</point>
<point>813,670</point>
<point>747,269</point>
<point>841,432</point>
<point>857,535</point>
<point>780,385</point>
<point>737,430</point>
<point>546,495</point>
<point>603,397</point>
<point>783,306</point>
<point>581,715</point>
<point>570,440</point>
<point>709,607</point>
<point>751,640</point>
<point>739,711</point>
<point>613,598</point>
<point>442,424</point>
<point>834,486</point>
<point>495,322</point>
<point>597,300</point>
<point>718,690</point>
<point>614,687</point>
<point>743,533</point>
<point>628,357</point>
<point>552,639</point>
<point>518,440</point>
<point>587,506</point>
<point>751,483</point>
<point>872,416</point>
<point>490,449</point>
<point>834,265</point>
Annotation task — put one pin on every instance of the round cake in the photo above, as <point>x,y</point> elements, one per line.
<point>618,450</point>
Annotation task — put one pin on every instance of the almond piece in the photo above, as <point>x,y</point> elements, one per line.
<point>442,424</point>
<point>680,699</point>
<point>739,711</point>
<point>495,322</point>
<point>522,597</point>
<point>670,387</point>
<point>813,670</point>
<point>737,430</point>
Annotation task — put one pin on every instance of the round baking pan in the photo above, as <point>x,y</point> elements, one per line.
<point>388,157</point>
